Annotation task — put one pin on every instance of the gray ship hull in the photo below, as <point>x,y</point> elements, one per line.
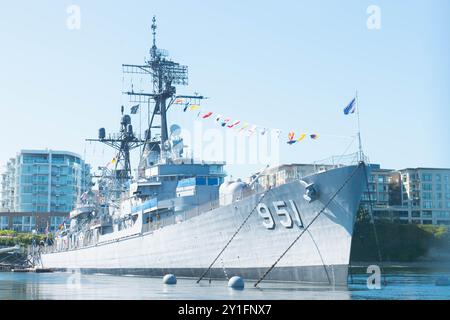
<point>187,248</point>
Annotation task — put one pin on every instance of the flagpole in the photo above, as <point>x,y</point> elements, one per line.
<point>140,128</point>
<point>360,150</point>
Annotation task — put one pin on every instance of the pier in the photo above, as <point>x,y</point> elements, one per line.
<point>10,261</point>
<point>4,267</point>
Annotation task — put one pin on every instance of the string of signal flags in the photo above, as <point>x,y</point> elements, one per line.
<point>250,129</point>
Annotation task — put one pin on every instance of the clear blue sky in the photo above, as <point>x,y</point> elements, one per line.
<point>283,64</point>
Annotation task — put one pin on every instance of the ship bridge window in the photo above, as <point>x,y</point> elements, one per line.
<point>147,219</point>
<point>215,169</point>
<point>213,181</point>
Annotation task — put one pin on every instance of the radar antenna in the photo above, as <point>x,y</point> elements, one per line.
<point>154,27</point>
<point>165,75</point>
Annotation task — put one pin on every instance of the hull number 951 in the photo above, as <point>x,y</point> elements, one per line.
<point>287,212</point>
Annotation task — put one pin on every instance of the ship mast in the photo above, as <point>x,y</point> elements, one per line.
<point>165,75</point>
<point>124,142</point>
<point>360,148</point>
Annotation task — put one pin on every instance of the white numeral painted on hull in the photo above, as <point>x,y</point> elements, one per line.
<point>280,209</point>
<point>282,212</point>
<point>264,212</point>
<point>297,216</point>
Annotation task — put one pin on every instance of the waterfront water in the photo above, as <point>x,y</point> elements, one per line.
<point>402,283</point>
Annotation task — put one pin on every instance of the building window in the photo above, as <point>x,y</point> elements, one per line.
<point>26,179</point>
<point>442,214</point>
<point>438,177</point>
<point>24,224</point>
<point>427,186</point>
<point>427,214</point>
<point>41,208</point>
<point>427,177</point>
<point>402,214</point>
<point>427,204</point>
<point>381,213</point>
<point>4,223</point>
<point>58,159</point>
<point>427,196</point>
<point>27,189</point>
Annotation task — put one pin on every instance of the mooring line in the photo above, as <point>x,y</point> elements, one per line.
<point>307,227</point>
<point>234,235</point>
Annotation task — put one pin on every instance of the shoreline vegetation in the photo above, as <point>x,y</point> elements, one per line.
<point>399,243</point>
<point>9,238</point>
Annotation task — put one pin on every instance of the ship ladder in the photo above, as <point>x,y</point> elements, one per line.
<point>375,233</point>
<point>309,225</point>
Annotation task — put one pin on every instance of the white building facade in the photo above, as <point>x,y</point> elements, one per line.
<point>44,181</point>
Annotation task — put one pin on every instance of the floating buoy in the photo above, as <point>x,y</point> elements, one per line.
<point>443,281</point>
<point>236,283</point>
<point>170,279</point>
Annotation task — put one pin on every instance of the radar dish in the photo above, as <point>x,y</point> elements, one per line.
<point>175,130</point>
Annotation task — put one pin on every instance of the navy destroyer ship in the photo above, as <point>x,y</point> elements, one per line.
<point>180,215</point>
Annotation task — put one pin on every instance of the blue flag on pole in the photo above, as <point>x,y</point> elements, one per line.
<point>351,107</point>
